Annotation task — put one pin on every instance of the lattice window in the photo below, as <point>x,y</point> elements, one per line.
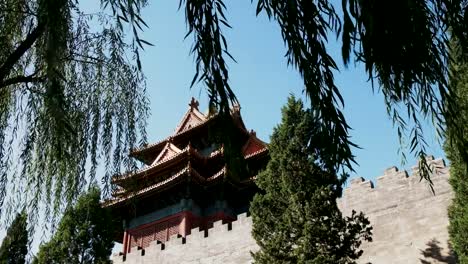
<point>173,227</point>
<point>158,231</point>
<point>133,240</point>
<point>147,237</point>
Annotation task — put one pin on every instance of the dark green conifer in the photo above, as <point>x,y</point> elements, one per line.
<point>84,235</point>
<point>295,217</point>
<point>15,245</point>
<point>458,211</point>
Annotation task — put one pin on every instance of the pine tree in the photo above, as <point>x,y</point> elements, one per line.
<point>458,211</point>
<point>68,81</point>
<point>14,247</point>
<point>84,235</point>
<point>295,216</point>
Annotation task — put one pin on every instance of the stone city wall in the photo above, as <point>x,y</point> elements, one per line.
<point>409,221</point>
<point>223,243</point>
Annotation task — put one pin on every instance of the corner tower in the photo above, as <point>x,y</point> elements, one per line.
<point>185,182</point>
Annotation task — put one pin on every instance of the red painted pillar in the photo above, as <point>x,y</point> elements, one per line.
<point>129,243</point>
<point>186,223</point>
<point>125,242</point>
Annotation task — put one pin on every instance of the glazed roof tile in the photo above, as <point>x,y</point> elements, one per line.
<point>168,148</point>
<point>188,149</point>
<point>117,200</point>
<point>119,178</point>
<point>164,183</point>
<point>192,114</point>
<point>253,154</point>
<point>253,146</point>
<point>192,117</point>
<point>179,131</point>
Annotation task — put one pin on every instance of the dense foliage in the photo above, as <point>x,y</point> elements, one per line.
<point>84,235</point>
<point>295,216</point>
<point>458,210</point>
<point>69,97</point>
<point>14,247</point>
<point>407,63</point>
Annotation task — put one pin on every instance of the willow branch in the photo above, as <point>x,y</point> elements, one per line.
<point>20,50</point>
<point>21,79</point>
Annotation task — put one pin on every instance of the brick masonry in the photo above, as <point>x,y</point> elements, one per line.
<point>410,225</point>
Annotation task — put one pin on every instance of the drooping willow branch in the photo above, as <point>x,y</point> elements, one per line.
<point>69,100</point>
<point>407,63</point>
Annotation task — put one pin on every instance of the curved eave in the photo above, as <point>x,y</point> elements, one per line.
<point>164,163</point>
<point>257,153</point>
<point>142,152</point>
<point>154,167</point>
<point>202,180</point>
<point>152,149</point>
<point>178,177</point>
<point>159,185</point>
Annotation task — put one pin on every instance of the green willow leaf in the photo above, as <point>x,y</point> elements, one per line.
<point>69,99</point>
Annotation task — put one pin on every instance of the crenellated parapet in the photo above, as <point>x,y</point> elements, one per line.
<point>223,243</point>
<point>409,225</point>
<point>395,187</point>
<point>394,177</point>
<point>407,216</point>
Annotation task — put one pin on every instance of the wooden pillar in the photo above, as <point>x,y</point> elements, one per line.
<point>125,242</point>
<point>186,223</point>
<point>167,232</point>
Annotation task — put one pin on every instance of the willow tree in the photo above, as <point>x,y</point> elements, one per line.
<point>408,64</point>
<point>71,94</point>
<point>84,235</point>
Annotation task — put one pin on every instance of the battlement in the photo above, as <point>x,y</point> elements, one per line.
<point>223,243</point>
<point>395,187</point>
<point>393,177</point>
<point>408,218</point>
<point>409,222</point>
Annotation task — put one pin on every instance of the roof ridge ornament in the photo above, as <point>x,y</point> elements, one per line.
<point>194,103</point>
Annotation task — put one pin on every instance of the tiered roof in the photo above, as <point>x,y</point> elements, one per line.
<point>187,154</point>
<point>167,164</point>
<point>187,171</point>
<point>192,120</point>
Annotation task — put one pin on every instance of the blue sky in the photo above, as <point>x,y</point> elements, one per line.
<point>262,81</point>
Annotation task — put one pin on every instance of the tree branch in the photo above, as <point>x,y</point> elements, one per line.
<point>20,50</point>
<point>21,79</point>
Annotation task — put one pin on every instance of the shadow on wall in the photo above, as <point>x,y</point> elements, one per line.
<point>433,254</point>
